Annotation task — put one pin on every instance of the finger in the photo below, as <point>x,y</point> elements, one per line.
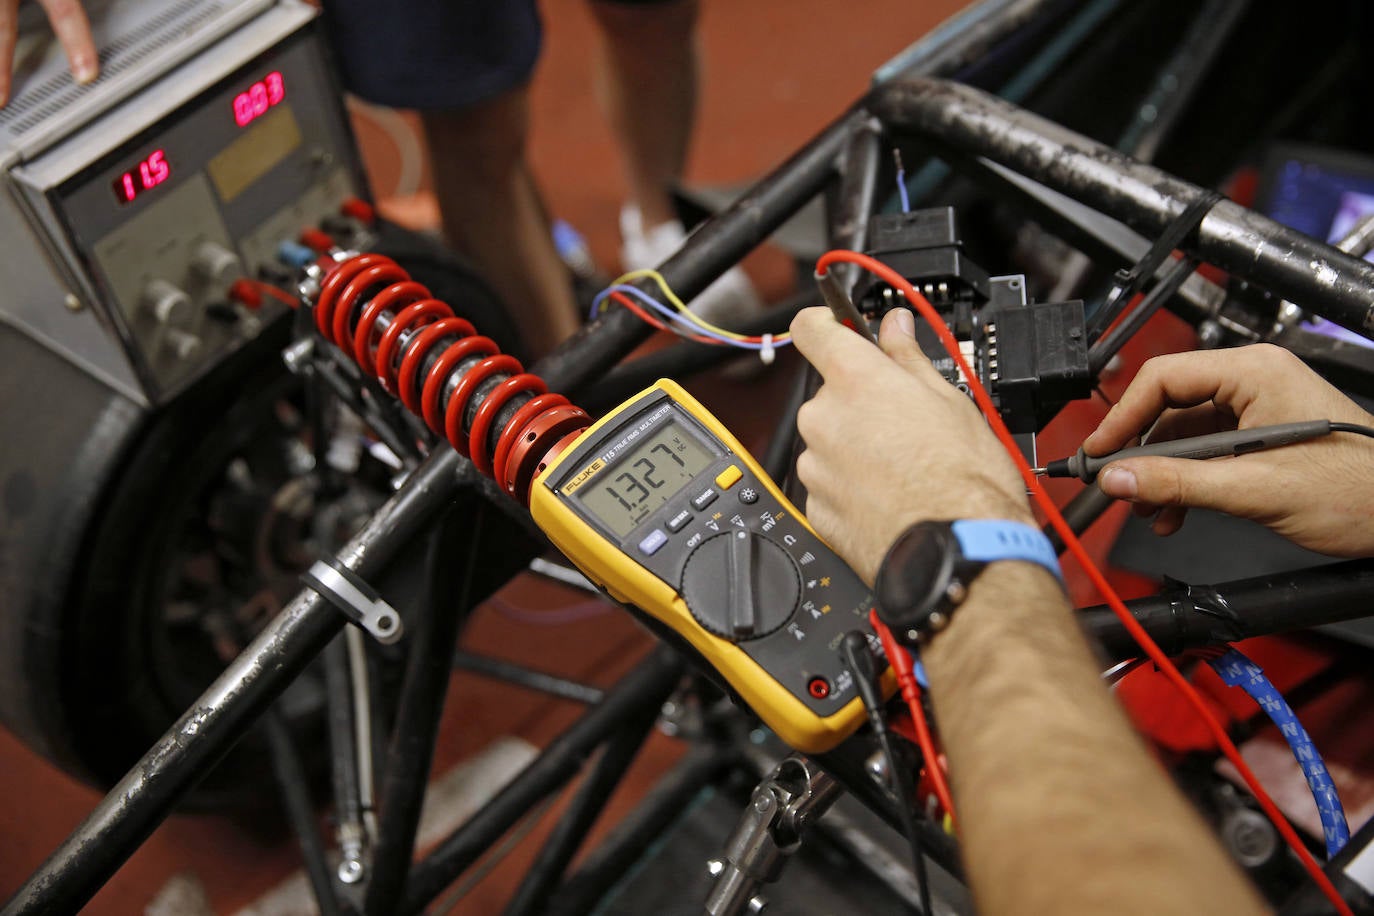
<point>1227,485</point>
<point>1177,380</point>
<point>897,338</point>
<point>74,33</point>
<point>1201,420</point>
<point>1169,520</point>
<point>826,344</point>
<point>9,14</point>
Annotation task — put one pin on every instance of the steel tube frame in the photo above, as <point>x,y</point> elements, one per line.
<point>1184,617</point>
<point>970,123</point>
<point>642,690</point>
<point>547,870</point>
<point>697,772</point>
<point>410,752</point>
<point>149,791</point>
<point>300,810</point>
<point>528,678</point>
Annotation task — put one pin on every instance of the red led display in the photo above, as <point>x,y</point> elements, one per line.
<point>253,102</point>
<point>147,175</point>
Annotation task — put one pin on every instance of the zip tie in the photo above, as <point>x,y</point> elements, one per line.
<point>360,602</point>
<point>766,351</point>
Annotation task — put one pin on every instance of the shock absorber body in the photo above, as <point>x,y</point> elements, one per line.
<point>500,417</point>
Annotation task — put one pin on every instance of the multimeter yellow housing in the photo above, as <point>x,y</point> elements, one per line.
<point>660,505</point>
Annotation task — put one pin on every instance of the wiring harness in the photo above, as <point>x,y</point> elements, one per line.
<point>679,319</point>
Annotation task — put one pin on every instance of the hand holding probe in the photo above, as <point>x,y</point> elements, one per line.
<point>842,307</point>
<point>1214,445</point>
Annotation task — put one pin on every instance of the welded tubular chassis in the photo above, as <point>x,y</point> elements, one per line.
<point>970,129</point>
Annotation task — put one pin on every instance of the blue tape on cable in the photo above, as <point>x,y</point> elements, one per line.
<point>1236,670</point>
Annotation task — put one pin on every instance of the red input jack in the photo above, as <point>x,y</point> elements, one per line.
<point>818,687</point>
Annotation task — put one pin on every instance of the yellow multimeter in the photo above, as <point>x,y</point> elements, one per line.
<point>661,506</point>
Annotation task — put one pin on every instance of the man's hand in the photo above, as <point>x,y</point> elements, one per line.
<point>889,442</point>
<point>1318,494</point>
<point>69,21</point>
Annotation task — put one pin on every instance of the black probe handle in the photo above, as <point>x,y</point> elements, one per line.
<point>1215,445</point>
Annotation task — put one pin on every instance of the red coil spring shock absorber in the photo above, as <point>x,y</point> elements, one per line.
<point>459,382</point>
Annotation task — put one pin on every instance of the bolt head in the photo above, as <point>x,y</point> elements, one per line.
<point>350,871</point>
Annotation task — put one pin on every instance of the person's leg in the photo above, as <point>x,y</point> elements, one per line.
<point>647,84</point>
<point>493,214</point>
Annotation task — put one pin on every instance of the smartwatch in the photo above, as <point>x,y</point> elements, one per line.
<point>927,570</point>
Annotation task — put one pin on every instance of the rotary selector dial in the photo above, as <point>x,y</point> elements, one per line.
<point>741,585</point>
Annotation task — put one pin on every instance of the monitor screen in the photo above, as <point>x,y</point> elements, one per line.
<point>1322,193</point>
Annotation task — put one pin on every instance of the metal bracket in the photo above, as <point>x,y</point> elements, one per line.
<point>782,807</point>
<point>359,601</point>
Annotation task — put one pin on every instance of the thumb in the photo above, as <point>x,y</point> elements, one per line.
<point>1225,485</point>
<point>897,337</point>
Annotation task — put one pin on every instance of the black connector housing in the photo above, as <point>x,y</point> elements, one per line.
<point>924,245</point>
<point>1039,361</point>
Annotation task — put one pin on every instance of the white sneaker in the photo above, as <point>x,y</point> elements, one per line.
<point>728,302</point>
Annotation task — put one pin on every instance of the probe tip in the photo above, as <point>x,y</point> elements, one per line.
<point>1039,472</point>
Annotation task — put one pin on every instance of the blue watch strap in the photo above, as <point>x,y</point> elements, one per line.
<point>984,540</point>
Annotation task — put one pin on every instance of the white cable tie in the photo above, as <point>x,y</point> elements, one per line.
<point>766,351</point>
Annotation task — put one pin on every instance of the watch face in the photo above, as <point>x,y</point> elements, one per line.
<point>913,578</point>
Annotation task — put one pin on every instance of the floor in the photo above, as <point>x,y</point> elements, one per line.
<point>774,72</point>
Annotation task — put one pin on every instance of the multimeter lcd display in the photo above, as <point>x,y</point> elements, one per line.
<point>624,494</point>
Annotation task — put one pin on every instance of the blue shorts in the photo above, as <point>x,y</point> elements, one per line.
<point>433,54</point>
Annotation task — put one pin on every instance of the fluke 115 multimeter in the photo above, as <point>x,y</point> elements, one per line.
<point>662,507</point>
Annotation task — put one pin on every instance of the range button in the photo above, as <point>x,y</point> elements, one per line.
<point>704,499</point>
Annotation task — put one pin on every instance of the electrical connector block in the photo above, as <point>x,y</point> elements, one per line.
<point>1047,365</point>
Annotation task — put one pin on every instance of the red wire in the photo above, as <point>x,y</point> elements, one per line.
<point>647,318</point>
<point>280,295</point>
<point>900,659</point>
<point>1075,547</point>
<point>626,302</point>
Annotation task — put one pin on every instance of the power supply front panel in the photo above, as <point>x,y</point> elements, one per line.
<point>157,206</point>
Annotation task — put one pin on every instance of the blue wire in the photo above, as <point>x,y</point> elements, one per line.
<point>1236,670</point>
<point>676,317</point>
<point>901,191</point>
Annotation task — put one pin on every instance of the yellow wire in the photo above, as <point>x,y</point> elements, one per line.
<point>678,304</point>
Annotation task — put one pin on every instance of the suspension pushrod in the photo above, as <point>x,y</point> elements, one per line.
<point>970,123</point>
<point>1184,617</point>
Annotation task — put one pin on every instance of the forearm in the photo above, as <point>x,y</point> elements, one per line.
<point>1061,808</point>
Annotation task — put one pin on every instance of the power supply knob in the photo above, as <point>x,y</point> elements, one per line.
<point>741,585</point>
<point>216,265</point>
<point>169,306</point>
